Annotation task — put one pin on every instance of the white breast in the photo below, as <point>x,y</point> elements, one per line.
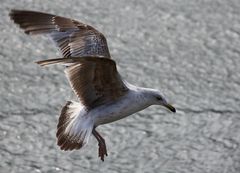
<point>130,103</point>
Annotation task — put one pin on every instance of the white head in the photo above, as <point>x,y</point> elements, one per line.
<point>158,99</point>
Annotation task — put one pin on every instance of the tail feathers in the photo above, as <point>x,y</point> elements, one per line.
<point>74,127</point>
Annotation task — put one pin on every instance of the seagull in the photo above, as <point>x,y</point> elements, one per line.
<point>103,96</point>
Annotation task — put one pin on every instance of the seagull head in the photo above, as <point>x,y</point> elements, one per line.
<point>160,100</point>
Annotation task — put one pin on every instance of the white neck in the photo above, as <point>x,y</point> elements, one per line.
<point>145,96</point>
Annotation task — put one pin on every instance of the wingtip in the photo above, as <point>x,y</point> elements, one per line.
<point>14,15</point>
<point>41,63</point>
<point>13,12</point>
<point>52,61</point>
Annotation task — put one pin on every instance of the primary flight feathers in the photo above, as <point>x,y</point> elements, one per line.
<point>74,38</point>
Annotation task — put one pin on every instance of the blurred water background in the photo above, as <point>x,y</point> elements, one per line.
<point>188,49</point>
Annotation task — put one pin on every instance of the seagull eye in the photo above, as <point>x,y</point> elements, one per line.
<point>159,98</point>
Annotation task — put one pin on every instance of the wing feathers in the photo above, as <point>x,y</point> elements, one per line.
<point>72,60</point>
<point>94,80</point>
<point>52,61</point>
<point>74,38</point>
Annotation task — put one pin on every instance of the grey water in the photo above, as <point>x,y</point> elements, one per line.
<point>187,49</point>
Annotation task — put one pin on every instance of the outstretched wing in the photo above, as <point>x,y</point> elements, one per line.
<point>74,38</point>
<point>94,80</point>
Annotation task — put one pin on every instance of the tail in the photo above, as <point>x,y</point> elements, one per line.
<point>74,126</point>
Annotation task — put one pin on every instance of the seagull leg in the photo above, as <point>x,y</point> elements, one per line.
<point>102,150</point>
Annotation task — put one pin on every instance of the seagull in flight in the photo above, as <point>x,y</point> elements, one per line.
<point>103,96</point>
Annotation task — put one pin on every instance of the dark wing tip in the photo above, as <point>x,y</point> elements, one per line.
<point>32,22</point>
<point>14,13</point>
<point>16,17</point>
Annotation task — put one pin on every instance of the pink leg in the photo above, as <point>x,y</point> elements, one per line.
<point>102,150</point>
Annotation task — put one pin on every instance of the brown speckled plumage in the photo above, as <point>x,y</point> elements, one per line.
<point>74,38</point>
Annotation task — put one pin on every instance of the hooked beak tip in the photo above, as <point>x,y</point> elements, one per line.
<point>170,107</point>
